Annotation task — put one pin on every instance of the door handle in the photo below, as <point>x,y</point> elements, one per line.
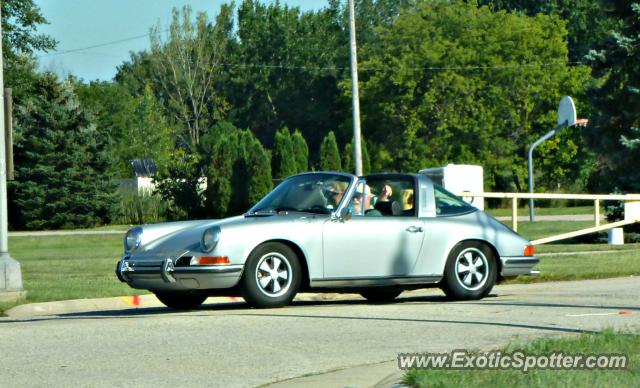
<point>415,229</point>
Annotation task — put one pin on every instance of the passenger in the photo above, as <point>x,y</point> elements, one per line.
<point>385,193</point>
<point>407,202</point>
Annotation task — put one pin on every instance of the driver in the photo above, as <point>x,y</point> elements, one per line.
<point>335,192</point>
<point>357,202</point>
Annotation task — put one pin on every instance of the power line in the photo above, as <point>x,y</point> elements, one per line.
<point>328,68</point>
<point>94,46</point>
<point>423,68</point>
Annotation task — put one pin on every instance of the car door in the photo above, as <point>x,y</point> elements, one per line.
<point>369,247</point>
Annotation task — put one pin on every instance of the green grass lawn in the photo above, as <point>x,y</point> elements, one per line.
<point>585,266</point>
<point>562,248</point>
<point>549,228</point>
<point>607,342</point>
<point>69,267</point>
<point>544,211</point>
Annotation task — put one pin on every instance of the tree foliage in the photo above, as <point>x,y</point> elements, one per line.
<point>239,170</point>
<point>330,154</point>
<point>457,83</point>
<point>348,158</point>
<point>300,151</point>
<point>181,184</point>
<point>188,67</point>
<point>284,71</point>
<point>61,162</point>
<point>136,125</point>
<point>20,21</point>
<point>618,100</point>
<point>284,158</point>
<point>587,20</point>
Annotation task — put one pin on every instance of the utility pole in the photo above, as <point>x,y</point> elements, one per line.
<point>10,272</point>
<point>357,148</point>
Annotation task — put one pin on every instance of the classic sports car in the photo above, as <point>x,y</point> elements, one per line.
<point>375,235</point>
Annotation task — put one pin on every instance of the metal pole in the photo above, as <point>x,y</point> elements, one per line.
<point>357,149</point>
<point>10,273</point>
<point>8,129</point>
<point>533,146</point>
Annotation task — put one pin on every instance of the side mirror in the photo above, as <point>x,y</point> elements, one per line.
<point>344,215</point>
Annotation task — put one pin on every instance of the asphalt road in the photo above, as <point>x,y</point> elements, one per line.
<point>227,344</point>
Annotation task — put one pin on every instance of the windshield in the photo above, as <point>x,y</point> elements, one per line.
<point>311,193</point>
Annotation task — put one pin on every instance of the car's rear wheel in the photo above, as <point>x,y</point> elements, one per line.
<point>271,277</point>
<point>470,272</point>
<point>381,295</point>
<point>181,300</point>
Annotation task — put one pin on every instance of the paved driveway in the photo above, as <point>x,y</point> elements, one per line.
<point>227,344</point>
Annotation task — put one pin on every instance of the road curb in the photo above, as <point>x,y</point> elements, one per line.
<point>78,306</point>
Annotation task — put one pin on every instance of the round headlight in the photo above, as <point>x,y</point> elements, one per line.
<point>210,239</point>
<point>132,239</point>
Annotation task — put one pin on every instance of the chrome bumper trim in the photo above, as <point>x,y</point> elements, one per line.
<point>523,265</point>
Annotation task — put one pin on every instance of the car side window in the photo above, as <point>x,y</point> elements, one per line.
<point>448,204</point>
<point>391,197</point>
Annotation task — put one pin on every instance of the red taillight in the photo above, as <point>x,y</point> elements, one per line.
<point>529,250</point>
<point>210,260</point>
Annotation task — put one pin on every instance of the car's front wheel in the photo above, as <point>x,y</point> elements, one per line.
<point>181,300</point>
<point>272,276</point>
<point>470,272</point>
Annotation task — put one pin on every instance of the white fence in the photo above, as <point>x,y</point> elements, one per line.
<point>631,210</point>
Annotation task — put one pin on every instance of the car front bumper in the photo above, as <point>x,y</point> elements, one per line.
<point>519,265</point>
<point>163,275</point>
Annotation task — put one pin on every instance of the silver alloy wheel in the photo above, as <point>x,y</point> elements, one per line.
<point>273,274</point>
<point>472,269</point>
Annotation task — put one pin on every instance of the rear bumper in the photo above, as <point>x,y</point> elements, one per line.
<point>162,275</point>
<point>519,265</point>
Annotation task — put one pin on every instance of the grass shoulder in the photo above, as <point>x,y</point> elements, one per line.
<point>606,342</point>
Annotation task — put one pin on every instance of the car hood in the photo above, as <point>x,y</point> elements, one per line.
<point>177,238</point>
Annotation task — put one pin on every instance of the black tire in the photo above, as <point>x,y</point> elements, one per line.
<point>381,295</point>
<point>259,287</point>
<point>181,300</point>
<point>470,272</point>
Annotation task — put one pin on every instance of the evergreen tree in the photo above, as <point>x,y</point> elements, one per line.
<point>348,156</point>
<point>301,152</point>
<point>330,154</point>
<point>618,101</point>
<point>239,170</point>
<point>258,169</point>
<point>61,163</point>
<point>284,160</point>
<point>221,144</point>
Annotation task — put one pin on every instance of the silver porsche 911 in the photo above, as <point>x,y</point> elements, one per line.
<point>375,235</point>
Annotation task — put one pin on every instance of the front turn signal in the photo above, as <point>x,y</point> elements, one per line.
<point>209,260</point>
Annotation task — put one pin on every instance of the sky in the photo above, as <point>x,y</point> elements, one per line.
<point>108,30</point>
